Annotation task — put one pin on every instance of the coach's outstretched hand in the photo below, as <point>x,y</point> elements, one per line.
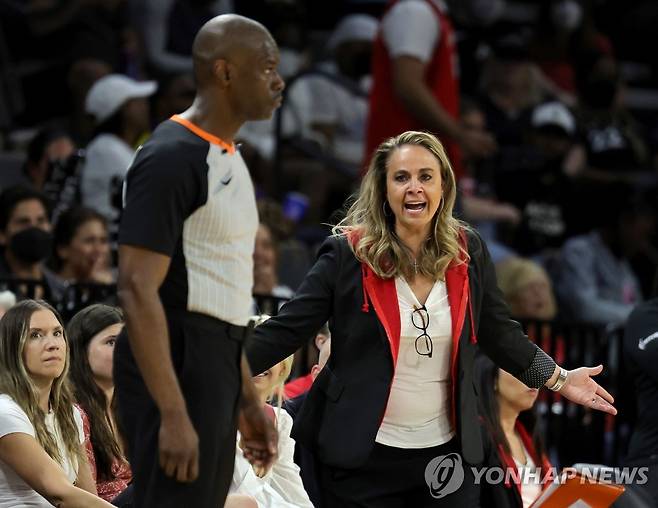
<point>582,389</point>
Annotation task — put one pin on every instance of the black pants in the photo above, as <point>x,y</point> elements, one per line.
<point>206,357</point>
<point>395,478</point>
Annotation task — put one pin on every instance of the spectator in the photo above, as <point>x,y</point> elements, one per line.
<point>175,94</point>
<point>92,333</point>
<point>509,92</point>
<point>51,145</point>
<point>527,289</point>
<point>266,279</point>
<point>415,85</point>
<point>53,167</point>
<point>293,403</point>
<point>479,204</point>
<point>121,111</point>
<point>25,234</point>
<point>511,437</point>
<point>538,184</point>
<point>41,443</point>
<point>82,249</point>
<point>615,146</point>
<point>528,292</point>
<point>331,106</point>
<point>168,28</point>
<point>281,486</point>
<point>302,384</point>
<point>81,77</point>
<point>595,282</point>
<point>294,258</point>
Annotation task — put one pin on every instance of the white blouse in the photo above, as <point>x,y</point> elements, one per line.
<point>418,410</point>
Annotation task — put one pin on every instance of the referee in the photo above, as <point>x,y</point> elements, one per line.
<point>185,279</point>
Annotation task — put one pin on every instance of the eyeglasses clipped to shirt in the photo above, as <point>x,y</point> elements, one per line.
<point>420,318</point>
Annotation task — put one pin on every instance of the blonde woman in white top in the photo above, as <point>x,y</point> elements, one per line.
<point>42,458</point>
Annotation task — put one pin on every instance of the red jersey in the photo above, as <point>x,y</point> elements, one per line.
<point>388,116</point>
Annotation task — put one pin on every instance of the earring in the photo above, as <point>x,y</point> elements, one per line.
<point>384,209</point>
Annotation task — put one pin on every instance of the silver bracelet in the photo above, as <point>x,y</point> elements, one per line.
<point>561,380</point>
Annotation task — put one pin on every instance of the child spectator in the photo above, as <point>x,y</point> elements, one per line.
<point>82,249</point>
<point>42,462</point>
<point>281,487</point>
<point>303,456</point>
<point>92,334</point>
<point>301,385</point>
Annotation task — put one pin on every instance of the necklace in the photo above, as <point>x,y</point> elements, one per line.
<point>415,266</point>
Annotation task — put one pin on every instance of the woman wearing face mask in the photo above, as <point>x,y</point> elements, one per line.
<point>25,235</point>
<point>92,333</point>
<point>42,459</point>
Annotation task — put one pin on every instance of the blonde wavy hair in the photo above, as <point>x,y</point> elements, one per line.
<point>375,242</point>
<point>16,382</point>
<point>515,274</point>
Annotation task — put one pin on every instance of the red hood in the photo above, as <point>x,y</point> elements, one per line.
<point>382,293</point>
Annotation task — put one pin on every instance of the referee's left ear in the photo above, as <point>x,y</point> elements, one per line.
<point>222,71</point>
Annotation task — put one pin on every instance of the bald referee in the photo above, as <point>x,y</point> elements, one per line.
<point>185,279</point>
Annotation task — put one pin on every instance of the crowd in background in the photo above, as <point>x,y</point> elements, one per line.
<point>555,134</point>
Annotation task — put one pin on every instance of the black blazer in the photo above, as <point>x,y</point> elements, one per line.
<point>345,406</point>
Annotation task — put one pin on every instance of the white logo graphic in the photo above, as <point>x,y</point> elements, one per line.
<point>642,344</point>
<point>444,475</point>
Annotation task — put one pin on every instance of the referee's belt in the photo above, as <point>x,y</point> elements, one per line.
<point>235,332</point>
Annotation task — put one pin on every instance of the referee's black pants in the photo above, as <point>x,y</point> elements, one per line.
<point>206,357</point>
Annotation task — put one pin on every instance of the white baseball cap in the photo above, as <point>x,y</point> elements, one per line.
<point>109,93</point>
<point>556,114</point>
<point>355,27</point>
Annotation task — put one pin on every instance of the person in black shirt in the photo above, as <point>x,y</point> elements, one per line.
<point>26,238</point>
<point>641,350</point>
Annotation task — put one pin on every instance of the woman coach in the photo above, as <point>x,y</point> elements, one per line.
<point>410,293</point>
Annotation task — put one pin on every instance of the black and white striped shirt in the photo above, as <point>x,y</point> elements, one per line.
<point>188,195</point>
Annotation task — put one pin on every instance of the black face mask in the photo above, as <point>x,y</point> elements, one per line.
<point>31,245</point>
<point>362,65</point>
<point>600,93</point>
